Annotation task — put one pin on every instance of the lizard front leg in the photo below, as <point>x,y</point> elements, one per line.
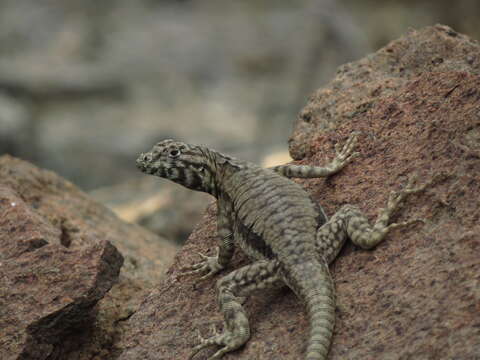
<point>231,290</point>
<point>344,155</point>
<point>210,265</point>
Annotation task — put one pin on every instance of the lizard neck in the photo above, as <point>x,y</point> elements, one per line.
<point>222,167</point>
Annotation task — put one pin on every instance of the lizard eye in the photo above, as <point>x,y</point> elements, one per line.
<point>173,153</point>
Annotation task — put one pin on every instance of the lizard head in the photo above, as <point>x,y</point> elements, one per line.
<point>185,164</point>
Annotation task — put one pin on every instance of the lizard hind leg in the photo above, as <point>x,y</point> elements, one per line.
<point>350,222</point>
<point>366,236</point>
<point>231,291</point>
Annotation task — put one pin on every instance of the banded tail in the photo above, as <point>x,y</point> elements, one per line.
<point>312,283</point>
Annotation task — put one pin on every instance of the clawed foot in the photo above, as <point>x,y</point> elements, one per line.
<point>226,340</point>
<point>345,154</point>
<point>397,199</point>
<point>382,226</point>
<point>208,265</point>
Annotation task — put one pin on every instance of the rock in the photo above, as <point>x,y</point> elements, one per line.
<point>159,206</point>
<point>415,295</point>
<point>58,260</point>
<point>358,85</point>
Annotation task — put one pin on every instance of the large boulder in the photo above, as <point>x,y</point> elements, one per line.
<point>416,104</point>
<point>58,260</point>
<point>359,85</point>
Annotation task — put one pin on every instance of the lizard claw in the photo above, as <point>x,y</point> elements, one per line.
<point>395,202</point>
<point>405,223</point>
<point>208,265</point>
<point>225,340</point>
<point>348,147</point>
<point>396,198</point>
<point>345,153</point>
<point>204,342</point>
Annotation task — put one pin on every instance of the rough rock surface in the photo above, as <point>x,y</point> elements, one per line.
<point>358,85</point>
<point>159,206</point>
<point>58,260</point>
<point>416,295</point>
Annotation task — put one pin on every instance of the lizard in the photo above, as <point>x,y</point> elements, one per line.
<point>285,234</point>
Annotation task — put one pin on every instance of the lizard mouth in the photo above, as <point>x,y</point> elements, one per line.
<point>140,163</point>
<point>144,163</point>
<point>148,165</point>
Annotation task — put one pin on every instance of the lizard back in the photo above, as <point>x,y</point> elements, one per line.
<point>276,211</point>
<point>282,218</point>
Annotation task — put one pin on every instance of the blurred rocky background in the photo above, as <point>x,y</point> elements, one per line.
<point>87,85</point>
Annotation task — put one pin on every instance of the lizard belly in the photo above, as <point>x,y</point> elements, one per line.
<point>252,244</point>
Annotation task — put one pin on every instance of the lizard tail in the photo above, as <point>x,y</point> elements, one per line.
<point>312,283</point>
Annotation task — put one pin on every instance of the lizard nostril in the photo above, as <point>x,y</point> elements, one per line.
<point>144,158</point>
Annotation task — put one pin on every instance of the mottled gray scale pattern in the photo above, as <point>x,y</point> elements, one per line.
<point>274,221</point>
<point>251,243</point>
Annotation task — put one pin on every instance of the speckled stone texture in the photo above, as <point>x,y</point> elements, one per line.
<point>51,275</point>
<point>58,260</point>
<point>416,104</point>
<point>359,85</point>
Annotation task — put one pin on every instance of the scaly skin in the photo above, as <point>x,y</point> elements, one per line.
<point>275,222</point>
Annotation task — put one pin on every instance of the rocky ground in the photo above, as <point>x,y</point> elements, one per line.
<point>416,104</point>
<point>86,86</point>
<point>64,293</point>
<point>70,270</point>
